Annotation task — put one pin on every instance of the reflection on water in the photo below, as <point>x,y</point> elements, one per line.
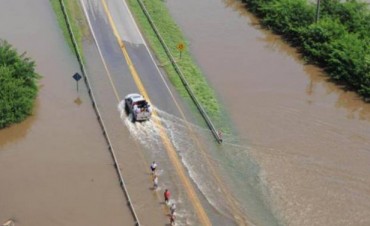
<point>352,102</point>
<point>78,101</point>
<point>310,138</point>
<point>18,131</point>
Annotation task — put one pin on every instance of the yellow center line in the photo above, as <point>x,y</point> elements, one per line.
<point>165,139</point>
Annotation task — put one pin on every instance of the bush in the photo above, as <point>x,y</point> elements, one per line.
<point>316,39</point>
<point>352,14</point>
<point>280,18</point>
<point>18,85</point>
<point>347,61</point>
<point>339,42</point>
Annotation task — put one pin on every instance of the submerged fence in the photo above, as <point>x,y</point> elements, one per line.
<point>97,112</point>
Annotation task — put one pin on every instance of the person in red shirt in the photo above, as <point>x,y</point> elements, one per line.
<point>167,195</point>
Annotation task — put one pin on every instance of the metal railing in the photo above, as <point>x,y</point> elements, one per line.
<point>101,122</point>
<point>205,116</point>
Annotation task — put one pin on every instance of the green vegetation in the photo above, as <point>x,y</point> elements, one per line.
<point>172,36</point>
<point>339,42</point>
<point>18,85</point>
<point>77,21</point>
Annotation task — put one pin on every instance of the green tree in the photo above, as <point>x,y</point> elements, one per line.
<point>18,85</point>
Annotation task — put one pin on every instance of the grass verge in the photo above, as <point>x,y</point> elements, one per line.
<point>172,36</point>
<point>77,21</point>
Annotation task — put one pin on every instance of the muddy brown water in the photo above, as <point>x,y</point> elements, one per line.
<point>309,138</point>
<point>55,168</point>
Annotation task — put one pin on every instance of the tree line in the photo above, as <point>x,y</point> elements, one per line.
<point>18,85</point>
<point>339,41</point>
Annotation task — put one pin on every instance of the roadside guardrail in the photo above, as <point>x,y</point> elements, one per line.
<point>215,132</point>
<point>97,112</point>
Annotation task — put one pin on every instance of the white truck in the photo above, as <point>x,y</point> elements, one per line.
<point>136,105</point>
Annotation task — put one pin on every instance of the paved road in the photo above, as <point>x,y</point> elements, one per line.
<point>126,66</point>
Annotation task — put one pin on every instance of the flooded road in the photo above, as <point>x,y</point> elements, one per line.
<point>305,141</point>
<point>55,167</point>
<point>300,156</point>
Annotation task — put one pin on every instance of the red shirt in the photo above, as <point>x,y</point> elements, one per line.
<point>167,194</point>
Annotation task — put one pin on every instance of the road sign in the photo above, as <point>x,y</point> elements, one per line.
<point>181,46</point>
<point>77,77</point>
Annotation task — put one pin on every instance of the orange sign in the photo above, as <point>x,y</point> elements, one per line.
<point>181,46</point>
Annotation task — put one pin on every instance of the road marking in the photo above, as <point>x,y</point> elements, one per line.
<point>113,85</point>
<point>101,55</point>
<point>238,215</point>
<point>166,141</point>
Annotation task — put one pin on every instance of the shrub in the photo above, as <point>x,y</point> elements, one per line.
<point>287,17</point>
<point>347,61</point>
<point>18,85</point>
<point>316,38</point>
<point>339,42</point>
<point>352,14</point>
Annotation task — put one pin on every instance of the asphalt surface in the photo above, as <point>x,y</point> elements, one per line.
<point>118,68</point>
<point>126,66</point>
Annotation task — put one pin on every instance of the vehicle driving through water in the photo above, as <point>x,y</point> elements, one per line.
<point>136,105</point>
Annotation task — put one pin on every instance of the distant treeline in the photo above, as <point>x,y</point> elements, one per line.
<point>18,85</point>
<point>339,41</point>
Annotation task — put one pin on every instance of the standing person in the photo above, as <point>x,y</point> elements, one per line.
<point>172,219</point>
<point>167,196</point>
<point>173,209</point>
<point>155,182</point>
<point>153,167</point>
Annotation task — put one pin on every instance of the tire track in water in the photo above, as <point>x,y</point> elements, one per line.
<point>169,146</point>
<point>194,157</point>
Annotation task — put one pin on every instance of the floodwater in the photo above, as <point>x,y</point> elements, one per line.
<point>55,168</point>
<point>303,144</point>
<point>300,156</point>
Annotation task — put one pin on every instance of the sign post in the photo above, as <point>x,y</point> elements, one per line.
<point>77,77</point>
<point>180,47</point>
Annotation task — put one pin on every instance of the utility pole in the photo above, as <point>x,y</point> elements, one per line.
<point>317,11</point>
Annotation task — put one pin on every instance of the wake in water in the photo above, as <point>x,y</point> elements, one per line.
<point>199,162</point>
<point>226,175</point>
<point>8,223</point>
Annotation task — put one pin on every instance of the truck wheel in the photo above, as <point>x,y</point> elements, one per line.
<point>126,108</point>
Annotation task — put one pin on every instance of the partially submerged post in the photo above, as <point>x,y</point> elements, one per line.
<point>77,77</point>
